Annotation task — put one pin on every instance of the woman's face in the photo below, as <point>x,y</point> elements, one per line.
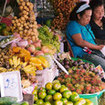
<point>85,18</point>
<point>98,13</point>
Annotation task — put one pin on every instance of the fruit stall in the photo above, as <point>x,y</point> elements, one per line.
<point>34,68</point>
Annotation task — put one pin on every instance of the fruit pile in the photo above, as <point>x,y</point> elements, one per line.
<point>62,9</point>
<point>70,64</point>
<point>4,30</point>
<point>27,69</point>
<point>82,81</point>
<point>57,94</point>
<point>26,24</point>
<point>49,39</point>
<point>5,54</point>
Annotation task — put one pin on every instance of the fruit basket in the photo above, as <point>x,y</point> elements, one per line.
<point>75,59</point>
<point>93,97</point>
<point>98,94</point>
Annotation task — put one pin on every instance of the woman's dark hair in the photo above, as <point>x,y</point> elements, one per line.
<point>73,15</point>
<point>95,3</point>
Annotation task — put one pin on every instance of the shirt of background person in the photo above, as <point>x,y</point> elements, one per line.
<point>99,32</point>
<point>73,28</point>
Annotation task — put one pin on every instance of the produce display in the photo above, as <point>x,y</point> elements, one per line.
<point>4,30</point>
<point>27,49</point>
<point>62,10</point>
<point>24,50</point>
<point>25,24</point>
<point>5,54</point>
<point>56,94</point>
<point>27,69</point>
<point>48,38</point>
<point>82,81</point>
<point>70,64</point>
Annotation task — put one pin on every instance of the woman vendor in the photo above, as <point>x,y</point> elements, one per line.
<point>79,35</point>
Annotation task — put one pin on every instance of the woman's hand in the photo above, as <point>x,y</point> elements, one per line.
<point>80,42</point>
<point>99,47</point>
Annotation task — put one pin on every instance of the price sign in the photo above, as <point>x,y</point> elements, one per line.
<point>10,83</point>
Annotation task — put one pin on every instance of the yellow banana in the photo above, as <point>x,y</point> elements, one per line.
<point>2,69</point>
<point>15,61</point>
<point>24,64</point>
<point>11,62</point>
<point>27,67</point>
<point>18,61</point>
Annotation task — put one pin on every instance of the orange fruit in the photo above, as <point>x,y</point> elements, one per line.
<point>35,97</point>
<point>39,102</point>
<point>64,100</point>
<point>47,103</point>
<point>35,91</point>
<point>55,81</point>
<point>74,97</point>
<point>49,98</point>
<point>42,89</point>
<point>51,92</point>
<point>63,86</point>
<point>67,94</point>
<point>48,86</point>
<point>77,103</point>
<point>69,103</point>
<point>74,93</point>
<point>62,89</point>
<point>25,103</point>
<point>56,86</point>
<point>58,102</point>
<point>57,96</point>
<point>42,95</point>
<point>82,100</point>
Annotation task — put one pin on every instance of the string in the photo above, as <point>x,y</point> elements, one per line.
<point>3,10</point>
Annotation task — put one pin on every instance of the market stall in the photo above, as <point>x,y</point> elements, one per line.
<point>34,69</point>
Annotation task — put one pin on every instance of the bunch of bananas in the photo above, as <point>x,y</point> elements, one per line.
<point>14,62</point>
<point>28,68</point>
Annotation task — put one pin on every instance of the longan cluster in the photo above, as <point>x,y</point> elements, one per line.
<point>62,9</point>
<point>26,24</point>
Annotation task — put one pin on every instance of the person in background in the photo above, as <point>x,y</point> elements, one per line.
<point>79,35</point>
<point>98,20</point>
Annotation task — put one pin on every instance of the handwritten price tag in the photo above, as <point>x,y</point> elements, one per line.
<point>11,85</point>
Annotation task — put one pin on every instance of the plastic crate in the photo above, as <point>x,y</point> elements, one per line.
<point>46,75</point>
